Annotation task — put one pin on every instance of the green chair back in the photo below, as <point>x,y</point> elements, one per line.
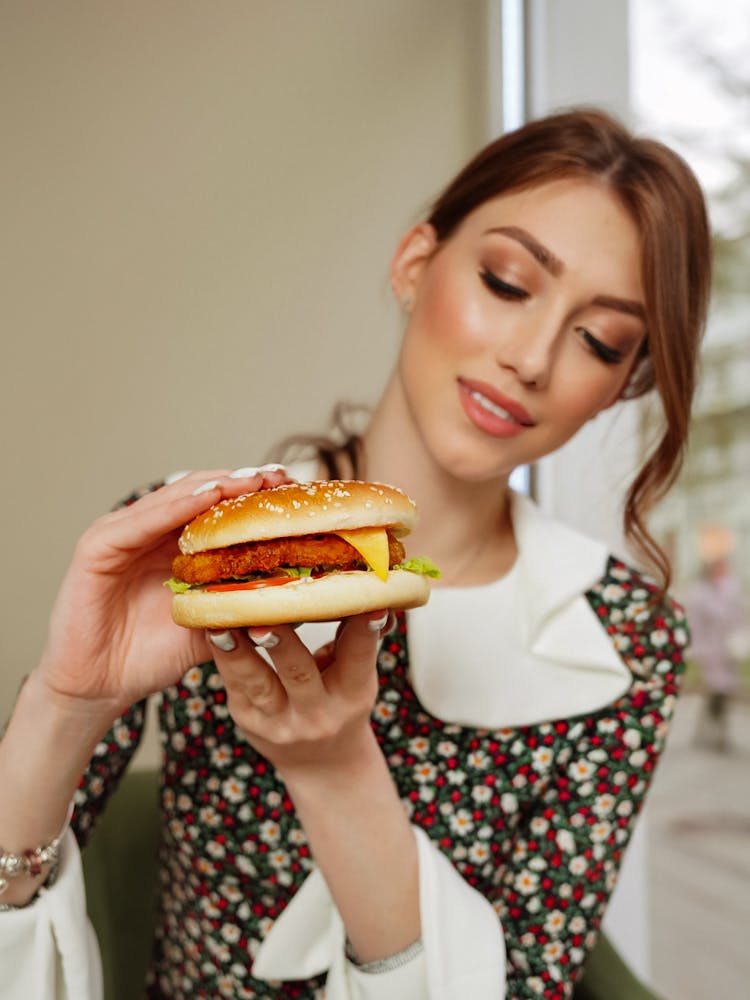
<point>119,869</point>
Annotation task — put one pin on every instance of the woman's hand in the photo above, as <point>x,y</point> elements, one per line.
<point>310,712</point>
<point>111,639</point>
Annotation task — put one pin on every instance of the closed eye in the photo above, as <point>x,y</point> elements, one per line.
<point>609,355</point>
<point>502,288</point>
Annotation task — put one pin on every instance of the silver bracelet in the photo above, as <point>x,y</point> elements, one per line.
<point>46,884</point>
<point>385,964</point>
<point>31,862</point>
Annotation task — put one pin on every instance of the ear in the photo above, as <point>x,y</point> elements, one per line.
<point>414,250</point>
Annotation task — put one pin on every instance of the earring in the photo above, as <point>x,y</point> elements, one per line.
<point>406,303</point>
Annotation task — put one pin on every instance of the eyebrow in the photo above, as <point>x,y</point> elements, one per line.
<point>628,306</point>
<point>555,266</point>
<point>537,250</point>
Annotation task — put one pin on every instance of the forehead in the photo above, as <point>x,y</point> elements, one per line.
<point>563,198</point>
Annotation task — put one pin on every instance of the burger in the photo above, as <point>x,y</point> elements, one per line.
<point>299,552</point>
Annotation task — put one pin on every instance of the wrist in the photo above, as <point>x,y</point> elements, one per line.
<point>84,720</point>
<point>45,749</point>
<point>341,766</point>
<point>23,873</point>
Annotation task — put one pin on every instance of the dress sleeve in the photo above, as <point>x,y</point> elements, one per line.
<point>105,770</point>
<point>566,856</point>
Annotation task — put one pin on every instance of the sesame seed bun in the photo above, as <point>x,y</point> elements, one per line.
<point>299,509</point>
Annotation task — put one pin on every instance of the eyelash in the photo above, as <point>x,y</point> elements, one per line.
<point>502,288</point>
<point>609,355</point>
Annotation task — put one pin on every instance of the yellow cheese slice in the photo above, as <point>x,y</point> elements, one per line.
<point>372,545</point>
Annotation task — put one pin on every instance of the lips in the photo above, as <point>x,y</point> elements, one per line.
<point>491,410</point>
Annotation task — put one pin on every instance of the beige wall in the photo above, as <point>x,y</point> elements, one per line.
<point>198,204</point>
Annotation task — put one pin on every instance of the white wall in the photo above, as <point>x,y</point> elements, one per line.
<point>198,205</point>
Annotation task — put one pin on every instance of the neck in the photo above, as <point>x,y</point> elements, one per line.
<point>464,527</point>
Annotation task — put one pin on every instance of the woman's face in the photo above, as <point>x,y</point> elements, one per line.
<point>523,325</point>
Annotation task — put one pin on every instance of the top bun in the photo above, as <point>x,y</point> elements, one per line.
<point>299,509</point>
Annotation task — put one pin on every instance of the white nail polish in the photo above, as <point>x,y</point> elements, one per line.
<point>272,467</point>
<point>176,476</point>
<point>378,624</point>
<point>222,640</point>
<point>244,473</point>
<point>266,641</point>
<point>205,487</point>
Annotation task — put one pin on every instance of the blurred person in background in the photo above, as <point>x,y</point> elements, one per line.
<point>715,611</point>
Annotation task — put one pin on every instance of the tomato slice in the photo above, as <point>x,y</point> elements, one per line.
<point>269,581</point>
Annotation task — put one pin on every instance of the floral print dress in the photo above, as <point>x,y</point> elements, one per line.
<point>535,818</point>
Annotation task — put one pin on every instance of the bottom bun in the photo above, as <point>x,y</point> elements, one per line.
<point>325,598</point>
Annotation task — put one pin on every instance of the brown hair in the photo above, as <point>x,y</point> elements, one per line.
<point>663,198</point>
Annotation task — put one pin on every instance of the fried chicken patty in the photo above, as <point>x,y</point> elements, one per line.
<point>311,551</point>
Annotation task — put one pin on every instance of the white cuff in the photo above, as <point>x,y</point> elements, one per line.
<point>407,982</point>
<point>48,950</point>
<point>464,950</point>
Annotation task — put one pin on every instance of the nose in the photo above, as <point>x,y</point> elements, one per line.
<point>529,351</point>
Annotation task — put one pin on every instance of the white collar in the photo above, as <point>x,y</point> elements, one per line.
<point>525,649</point>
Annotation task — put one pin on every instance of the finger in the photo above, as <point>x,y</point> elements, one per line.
<point>324,656</point>
<point>295,665</point>
<point>145,522</point>
<point>356,649</point>
<point>250,682</point>
<point>216,483</point>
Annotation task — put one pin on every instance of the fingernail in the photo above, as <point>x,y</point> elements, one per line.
<point>205,487</point>
<point>245,473</point>
<point>377,624</point>
<point>266,639</point>
<point>175,477</point>
<point>272,467</point>
<point>222,640</point>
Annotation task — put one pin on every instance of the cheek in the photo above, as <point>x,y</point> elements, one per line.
<point>449,314</point>
<point>585,397</point>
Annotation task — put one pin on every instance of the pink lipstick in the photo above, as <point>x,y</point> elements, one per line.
<point>491,411</point>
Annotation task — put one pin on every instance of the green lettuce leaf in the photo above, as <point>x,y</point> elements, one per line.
<point>420,564</point>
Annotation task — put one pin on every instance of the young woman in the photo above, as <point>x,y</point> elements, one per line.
<point>442,811</point>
